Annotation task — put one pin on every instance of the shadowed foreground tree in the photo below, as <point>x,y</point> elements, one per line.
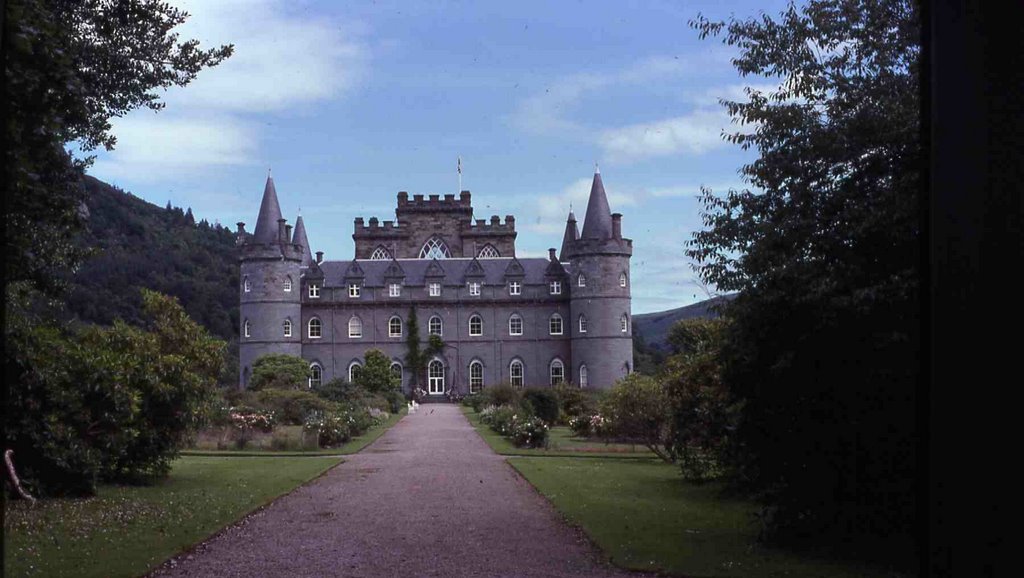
<point>823,339</point>
<point>70,66</point>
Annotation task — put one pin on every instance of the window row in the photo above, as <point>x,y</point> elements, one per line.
<point>435,326</point>
<point>434,289</point>
<point>516,373</point>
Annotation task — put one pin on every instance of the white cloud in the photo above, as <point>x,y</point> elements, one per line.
<point>696,133</point>
<point>151,147</point>
<point>547,112</point>
<point>283,59</point>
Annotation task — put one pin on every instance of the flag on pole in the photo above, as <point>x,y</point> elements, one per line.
<point>460,165</point>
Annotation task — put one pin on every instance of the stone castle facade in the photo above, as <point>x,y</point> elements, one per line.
<point>523,321</point>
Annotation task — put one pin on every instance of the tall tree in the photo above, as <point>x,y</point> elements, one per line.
<point>70,66</point>
<point>823,339</point>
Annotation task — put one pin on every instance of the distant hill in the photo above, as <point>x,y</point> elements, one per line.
<point>139,244</point>
<point>653,327</point>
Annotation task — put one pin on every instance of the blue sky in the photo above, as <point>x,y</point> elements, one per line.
<point>350,103</point>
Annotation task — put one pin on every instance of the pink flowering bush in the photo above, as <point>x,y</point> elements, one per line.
<point>529,432</point>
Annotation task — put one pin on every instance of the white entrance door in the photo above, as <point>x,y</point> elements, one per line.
<point>435,378</point>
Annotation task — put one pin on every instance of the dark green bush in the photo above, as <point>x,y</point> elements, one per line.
<point>544,403</point>
<point>502,394</point>
<point>291,406</point>
<point>279,371</point>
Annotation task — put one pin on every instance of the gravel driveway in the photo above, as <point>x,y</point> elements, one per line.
<point>428,498</point>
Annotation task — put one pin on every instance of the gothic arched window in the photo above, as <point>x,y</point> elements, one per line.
<point>397,371</point>
<point>624,323</point>
<point>434,326</point>
<point>245,328</point>
<point>476,376</point>
<point>515,373</point>
<point>583,376</point>
<point>316,328</point>
<point>557,371</point>
<point>288,284</point>
<point>353,371</point>
<point>395,327</point>
<point>488,252</point>
<point>380,254</point>
<point>435,248</point>
<point>583,323</point>
<point>316,374</point>
<point>287,327</point>
<point>515,324</point>
<point>476,325</point>
<point>355,327</point>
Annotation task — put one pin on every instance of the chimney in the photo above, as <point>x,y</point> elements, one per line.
<point>241,228</point>
<point>319,257</point>
<point>551,254</point>
<point>617,226</point>
<point>287,233</point>
<point>281,228</point>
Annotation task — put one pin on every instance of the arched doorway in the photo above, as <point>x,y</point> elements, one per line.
<point>435,377</point>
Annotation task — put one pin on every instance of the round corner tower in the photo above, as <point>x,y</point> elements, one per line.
<point>270,311</point>
<point>599,279</point>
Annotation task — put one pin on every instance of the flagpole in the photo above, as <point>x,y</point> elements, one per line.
<point>460,175</point>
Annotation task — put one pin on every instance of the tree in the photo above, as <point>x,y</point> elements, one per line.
<point>69,67</point>
<point>417,356</point>
<point>279,371</point>
<point>823,339</point>
<point>106,403</point>
<point>375,376</point>
<point>637,408</point>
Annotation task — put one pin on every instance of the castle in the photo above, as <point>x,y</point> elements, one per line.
<point>502,319</point>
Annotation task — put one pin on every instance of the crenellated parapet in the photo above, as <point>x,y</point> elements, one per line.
<point>434,203</point>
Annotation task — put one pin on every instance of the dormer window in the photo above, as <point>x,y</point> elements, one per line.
<point>353,289</point>
<point>435,289</point>
<point>515,288</point>
<point>394,290</point>
<point>474,288</point>
<point>555,287</point>
<point>314,291</point>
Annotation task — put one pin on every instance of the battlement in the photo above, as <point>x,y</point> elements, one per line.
<point>434,203</point>
<point>376,226</point>
<point>494,227</point>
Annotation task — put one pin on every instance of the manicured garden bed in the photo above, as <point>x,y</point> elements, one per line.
<point>560,443</point>
<point>128,530</point>
<point>645,517</point>
<point>294,444</point>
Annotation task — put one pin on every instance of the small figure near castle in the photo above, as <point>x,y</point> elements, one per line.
<point>527,322</point>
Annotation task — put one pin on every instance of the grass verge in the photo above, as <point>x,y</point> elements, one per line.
<point>644,517</point>
<point>560,444</point>
<point>354,445</point>
<point>128,530</point>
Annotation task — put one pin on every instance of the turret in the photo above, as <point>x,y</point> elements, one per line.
<point>270,297</point>
<point>602,325</point>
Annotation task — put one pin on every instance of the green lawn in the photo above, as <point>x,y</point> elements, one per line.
<point>125,531</point>
<point>294,435</point>
<point>645,517</point>
<point>560,444</point>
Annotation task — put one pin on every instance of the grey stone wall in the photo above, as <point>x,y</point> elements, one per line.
<point>266,306</point>
<point>604,348</point>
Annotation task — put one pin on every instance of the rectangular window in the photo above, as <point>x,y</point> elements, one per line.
<point>353,290</point>
<point>394,290</point>
<point>555,326</point>
<point>474,288</point>
<point>515,288</point>
<point>435,289</point>
<point>556,287</point>
<point>314,290</point>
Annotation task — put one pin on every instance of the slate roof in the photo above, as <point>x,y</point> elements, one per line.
<point>300,238</point>
<point>266,230</point>
<point>535,271</point>
<point>598,222</point>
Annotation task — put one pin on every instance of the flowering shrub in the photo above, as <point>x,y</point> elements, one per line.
<point>245,419</point>
<point>580,426</point>
<point>600,425</point>
<point>379,416</point>
<point>418,394</point>
<point>529,432</point>
<point>331,429</point>
<point>503,419</point>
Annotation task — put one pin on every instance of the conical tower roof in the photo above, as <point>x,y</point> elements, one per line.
<point>598,222</point>
<point>299,238</point>
<point>572,233</point>
<point>270,212</point>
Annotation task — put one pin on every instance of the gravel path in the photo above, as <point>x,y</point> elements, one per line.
<point>428,498</point>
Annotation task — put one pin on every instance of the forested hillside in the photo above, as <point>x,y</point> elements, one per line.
<point>138,244</point>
